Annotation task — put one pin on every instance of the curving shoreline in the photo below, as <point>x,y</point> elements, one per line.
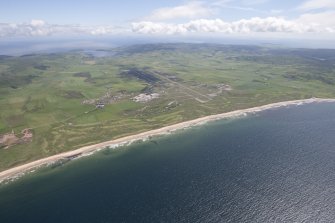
<point>18,171</point>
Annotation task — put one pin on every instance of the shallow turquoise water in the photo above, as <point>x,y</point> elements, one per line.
<point>275,166</point>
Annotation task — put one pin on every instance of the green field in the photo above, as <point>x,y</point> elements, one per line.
<point>55,95</point>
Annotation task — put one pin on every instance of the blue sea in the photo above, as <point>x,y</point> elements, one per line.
<point>274,166</point>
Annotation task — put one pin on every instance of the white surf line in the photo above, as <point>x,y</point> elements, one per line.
<point>18,171</point>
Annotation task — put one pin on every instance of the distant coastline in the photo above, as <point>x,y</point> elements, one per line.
<point>18,171</point>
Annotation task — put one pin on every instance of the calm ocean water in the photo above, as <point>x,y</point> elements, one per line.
<point>275,166</point>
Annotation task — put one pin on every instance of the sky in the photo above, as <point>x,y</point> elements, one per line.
<point>283,18</point>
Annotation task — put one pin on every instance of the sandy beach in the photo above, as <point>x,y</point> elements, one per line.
<point>18,171</point>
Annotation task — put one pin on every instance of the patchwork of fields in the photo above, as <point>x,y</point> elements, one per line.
<point>56,96</point>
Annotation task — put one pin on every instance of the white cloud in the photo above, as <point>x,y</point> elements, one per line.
<point>239,2</point>
<point>245,5</point>
<point>321,13</point>
<point>34,28</point>
<point>276,11</point>
<point>189,11</point>
<point>325,19</point>
<point>222,2</point>
<point>317,4</point>
<point>253,25</point>
<point>244,9</point>
<point>306,23</point>
<point>254,2</point>
<point>41,28</point>
<point>37,22</point>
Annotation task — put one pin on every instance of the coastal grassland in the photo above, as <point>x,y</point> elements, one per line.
<point>47,92</point>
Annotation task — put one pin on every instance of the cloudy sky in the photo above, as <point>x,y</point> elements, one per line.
<point>312,18</point>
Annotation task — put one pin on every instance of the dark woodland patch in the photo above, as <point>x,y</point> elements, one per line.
<point>73,95</point>
<point>139,74</point>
